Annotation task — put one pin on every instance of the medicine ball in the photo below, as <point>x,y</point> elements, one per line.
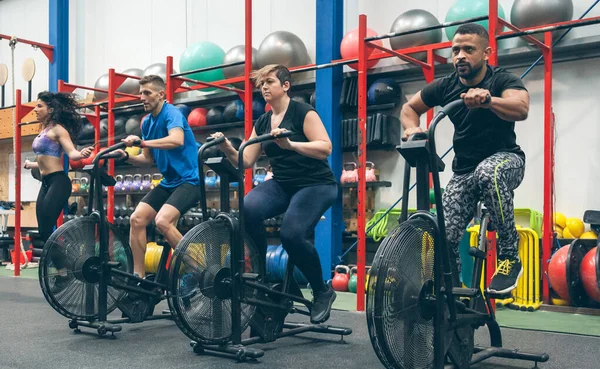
<point>184,109</point>
<point>258,108</point>
<point>312,99</point>
<point>197,117</point>
<point>215,115</point>
<point>300,98</point>
<point>120,126</point>
<point>234,111</point>
<point>87,132</point>
<point>384,91</point>
<point>103,128</point>
<point>132,126</point>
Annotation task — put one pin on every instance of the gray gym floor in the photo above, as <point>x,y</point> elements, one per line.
<point>33,335</point>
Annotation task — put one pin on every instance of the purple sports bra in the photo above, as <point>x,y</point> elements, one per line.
<point>44,145</point>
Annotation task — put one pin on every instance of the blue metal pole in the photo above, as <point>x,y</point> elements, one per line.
<point>329,33</point>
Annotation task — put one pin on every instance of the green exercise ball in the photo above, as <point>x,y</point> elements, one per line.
<point>465,9</point>
<point>203,55</point>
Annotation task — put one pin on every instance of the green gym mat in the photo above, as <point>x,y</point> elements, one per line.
<point>31,273</point>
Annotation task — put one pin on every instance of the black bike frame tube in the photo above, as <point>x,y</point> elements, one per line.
<point>210,142</point>
<point>405,192</point>
<point>104,257</point>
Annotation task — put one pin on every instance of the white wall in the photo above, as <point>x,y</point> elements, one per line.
<point>31,23</point>
<point>144,32</point>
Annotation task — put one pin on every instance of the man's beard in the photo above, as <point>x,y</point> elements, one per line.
<point>471,71</point>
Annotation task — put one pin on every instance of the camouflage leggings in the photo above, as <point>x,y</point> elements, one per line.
<point>493,181</point>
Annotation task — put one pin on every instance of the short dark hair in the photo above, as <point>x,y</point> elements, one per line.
<point>155,80</point>
<point>473,29</point>
<point>281,71</point>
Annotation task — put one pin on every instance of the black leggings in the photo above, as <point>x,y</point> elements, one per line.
<point>54,194</point>
<point>303,209</point>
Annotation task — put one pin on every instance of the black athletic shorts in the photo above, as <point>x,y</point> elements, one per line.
<point>183,197</point>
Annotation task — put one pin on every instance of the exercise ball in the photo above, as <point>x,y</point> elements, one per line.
<point>132,126</point>
<point>465,9</point>
<point>158,69</point>
<point>203,55</point>
<point>234,112</point>
<point>197,117</point>
<point>349,47</point>
<point>184,109</point>
<point>235,54</point>
<point>384,91</point>
<point>215,115</point>
<point>530,13</point>
<point>589,274</point>
<point>411,20</point>
<point>131,85</point>
<point>101,83</point>
<point>282,47</point>
<point>557,272</point>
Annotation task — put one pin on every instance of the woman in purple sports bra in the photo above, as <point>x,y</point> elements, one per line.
<point>61,124</point>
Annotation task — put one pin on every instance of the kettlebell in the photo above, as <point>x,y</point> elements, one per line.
<point>127,181</point>
<point>349,173</point>
<point>156,178</point>
<point>269,174</point>
<point>136,184</point>
<point>340,278</point>
<point>75,183</point>
<point>353,279</point>
<point>83,187</point>
<point>210,178</point>
<point>370,175</point>
<point>146,180</point>
<point>259,176</point>
<point>119,184</point>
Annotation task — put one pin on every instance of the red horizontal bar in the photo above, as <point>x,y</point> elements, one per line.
<point>127,76</point>
<point>72,87</point>
<point>529,38</point>
<point>411,50</point>
<point>571,22</point>
<point>220,84</point>
<point>400,55</point>
<point>48,50</point>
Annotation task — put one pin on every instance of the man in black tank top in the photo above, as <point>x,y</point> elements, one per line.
<point>488,164</point>
<point>303,186</point>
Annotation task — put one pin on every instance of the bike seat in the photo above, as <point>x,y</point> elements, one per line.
<point>222,167</point>
<point>592,217</point>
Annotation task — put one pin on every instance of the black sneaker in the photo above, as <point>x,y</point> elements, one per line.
<point>506,277</point>
<point>321,307</point>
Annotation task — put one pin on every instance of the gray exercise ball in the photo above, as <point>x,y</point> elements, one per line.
<point>101,83</point>
<point>235,54</point>
<point>282,47</point>
<point>159,69</point>
<point>131,85</point>
<point>530,13</point>
<point>411,20</point>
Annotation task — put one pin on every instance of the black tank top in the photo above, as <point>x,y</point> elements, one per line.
<point>290,168</point>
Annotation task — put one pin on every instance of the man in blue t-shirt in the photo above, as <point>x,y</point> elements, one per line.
<point>168,141</point>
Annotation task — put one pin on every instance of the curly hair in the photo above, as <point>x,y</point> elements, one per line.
<point>64,111</point>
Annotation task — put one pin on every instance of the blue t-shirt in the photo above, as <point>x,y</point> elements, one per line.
<point>178,165</point>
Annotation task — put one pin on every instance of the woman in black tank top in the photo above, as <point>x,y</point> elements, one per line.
<point>303,186</point>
